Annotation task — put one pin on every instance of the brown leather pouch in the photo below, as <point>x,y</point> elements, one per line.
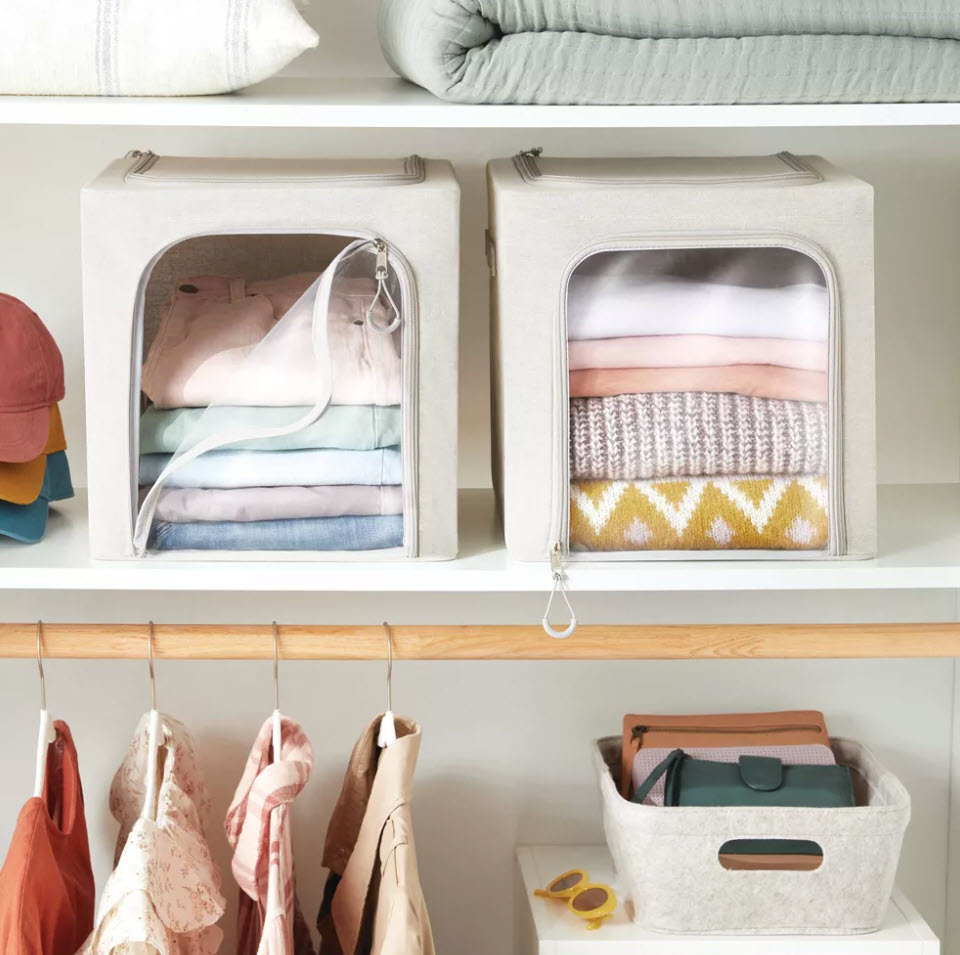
<point>770,863</point>
<point>787,728</point>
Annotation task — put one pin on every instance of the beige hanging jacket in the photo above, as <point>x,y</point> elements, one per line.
<point>373,903</point>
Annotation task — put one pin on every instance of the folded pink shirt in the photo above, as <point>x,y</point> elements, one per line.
<point>760,381</point>
<point>227,342</point>
<point>696,351</point>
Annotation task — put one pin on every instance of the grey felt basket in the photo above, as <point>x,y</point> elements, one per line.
<point>667,858</point>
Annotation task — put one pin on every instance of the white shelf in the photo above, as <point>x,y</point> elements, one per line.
<point>546,926</point>
<point>388,102</point>
<point>919,543</point>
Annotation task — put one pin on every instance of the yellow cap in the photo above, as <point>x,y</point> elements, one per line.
<point>21,483</point>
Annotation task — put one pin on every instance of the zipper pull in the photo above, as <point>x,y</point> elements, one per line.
<point>382,271</point>
<point>143,159</point>
<point>381,274</point>
<point>559,576</point>
<point>556,560</point>
<point>491,254</point>
<point>534,153</point>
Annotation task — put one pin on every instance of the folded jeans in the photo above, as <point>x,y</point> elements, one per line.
<point>318,533</point>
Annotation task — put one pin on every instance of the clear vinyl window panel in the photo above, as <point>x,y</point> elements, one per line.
<point>700,401</point>
<point>270,412</point>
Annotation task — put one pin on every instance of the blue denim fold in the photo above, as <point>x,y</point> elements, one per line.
<point>377,532</point>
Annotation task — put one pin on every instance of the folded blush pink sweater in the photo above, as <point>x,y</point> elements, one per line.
<point>696,351</point>
<point>226,342</point>
<point>761,381</point>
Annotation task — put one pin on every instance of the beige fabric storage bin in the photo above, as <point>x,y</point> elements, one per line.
<point>668,857</point>
<point>610,278</point>
<point>149,221</point>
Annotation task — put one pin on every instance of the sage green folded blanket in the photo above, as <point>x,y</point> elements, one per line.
<point>676,51</point>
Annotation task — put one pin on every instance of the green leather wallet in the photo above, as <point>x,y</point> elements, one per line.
<point>752,781</point>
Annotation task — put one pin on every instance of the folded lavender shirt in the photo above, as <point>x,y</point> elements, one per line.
<point>180,505</point>
<point>676,351</point>
<point>647,760</point>
<point>761,381</point>
<point>226,342</point>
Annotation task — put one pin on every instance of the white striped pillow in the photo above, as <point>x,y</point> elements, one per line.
<point>146,47</point>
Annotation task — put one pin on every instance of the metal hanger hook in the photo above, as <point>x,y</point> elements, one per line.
<point>43,679</point>
<point>386,627</point>
<point>153,678</point>
<point>276,667</point>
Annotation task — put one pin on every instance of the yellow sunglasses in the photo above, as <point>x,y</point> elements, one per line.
<point>588,900</point>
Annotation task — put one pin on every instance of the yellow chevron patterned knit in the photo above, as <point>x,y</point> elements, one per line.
<point>734,513</point>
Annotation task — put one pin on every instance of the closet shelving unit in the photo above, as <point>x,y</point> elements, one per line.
<point>919,550</point>
<point>382,103</point>
<point>919,523</point>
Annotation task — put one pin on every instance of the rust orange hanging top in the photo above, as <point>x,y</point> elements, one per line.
<point>47,895</point>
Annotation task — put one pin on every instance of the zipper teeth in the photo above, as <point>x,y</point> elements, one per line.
<point>413,172</point>
<point>410,451</point>
<point>409,448</point>
<point>644,730</point>
<point>836,542</point>
<point>531,173</point>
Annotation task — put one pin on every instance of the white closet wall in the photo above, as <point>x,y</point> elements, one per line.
<point>505,755</point>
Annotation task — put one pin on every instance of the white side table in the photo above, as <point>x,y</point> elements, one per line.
<point>547,927</point>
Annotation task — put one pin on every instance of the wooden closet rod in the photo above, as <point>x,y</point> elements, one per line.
<point>596,642</point>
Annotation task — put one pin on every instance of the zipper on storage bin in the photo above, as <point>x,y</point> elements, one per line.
<point>638,732</point>
<point>560,532</point>
<point>382,273</point>
<point>526,163</point>
<point>532,174</point>
<point>145,158</point>
<point>409,350</point>
<point>559,577</point>
<point>414,171</point>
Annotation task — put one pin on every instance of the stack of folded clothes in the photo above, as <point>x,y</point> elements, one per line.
<point>33,460</point>
<point>698,402</point>
<point>333,485</point>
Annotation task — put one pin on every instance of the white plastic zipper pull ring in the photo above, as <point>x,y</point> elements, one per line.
<point>381,274</point>
<point>559,586</point>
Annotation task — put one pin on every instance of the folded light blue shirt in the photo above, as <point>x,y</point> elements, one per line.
<point>376,532</point>
<point>353,427</point>
<point>305,468</point>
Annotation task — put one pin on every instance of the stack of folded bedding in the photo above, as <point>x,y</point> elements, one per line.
<point>676,51</point>
<point>698,405</point>
<point>335,484</point>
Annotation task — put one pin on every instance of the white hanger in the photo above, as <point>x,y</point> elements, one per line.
<point>153,744</point>
<point>47,733</point>
<point>277,719</point>
<point>388,725</point>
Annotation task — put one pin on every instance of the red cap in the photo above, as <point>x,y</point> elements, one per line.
<point>31,380</point>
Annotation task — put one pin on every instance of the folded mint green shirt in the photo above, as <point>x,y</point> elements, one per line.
<point>347,427</point>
